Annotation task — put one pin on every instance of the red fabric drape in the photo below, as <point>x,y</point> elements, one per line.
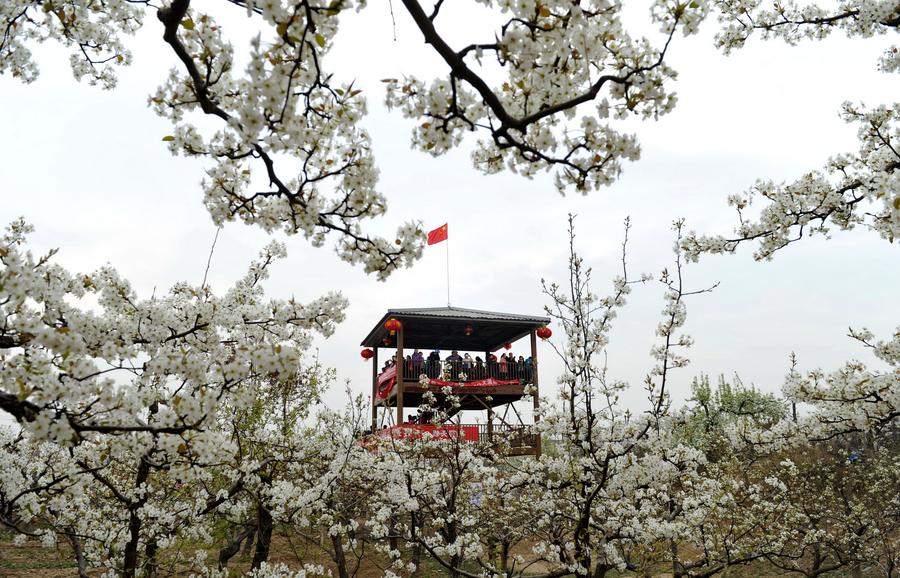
<point>441,432</point>
<point>386,382</point>
<point>489,382</point>
<point>388,378</point>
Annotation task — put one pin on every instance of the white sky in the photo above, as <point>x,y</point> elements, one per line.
<point>89,170</point>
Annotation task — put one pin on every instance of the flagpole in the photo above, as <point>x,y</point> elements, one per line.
<point>448,272</point>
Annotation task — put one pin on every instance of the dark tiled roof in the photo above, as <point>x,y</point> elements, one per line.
<point>444,328</point>
<point>468,314</point>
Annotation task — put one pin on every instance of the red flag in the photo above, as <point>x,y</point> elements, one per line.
<point>438,235</point>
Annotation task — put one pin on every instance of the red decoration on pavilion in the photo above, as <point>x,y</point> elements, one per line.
<point>468,331</point>
<point>367,353</point>
<point>544,332</point>
<point>392,325</point>
<point>386,341</point>
<point>507,345</point>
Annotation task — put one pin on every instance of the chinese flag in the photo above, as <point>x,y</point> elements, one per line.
<point>438,235</point>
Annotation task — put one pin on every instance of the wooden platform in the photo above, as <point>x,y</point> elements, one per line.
<point>471,398</point>
<point>514,440</point>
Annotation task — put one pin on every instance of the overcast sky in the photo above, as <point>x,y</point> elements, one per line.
<point>89,170</point>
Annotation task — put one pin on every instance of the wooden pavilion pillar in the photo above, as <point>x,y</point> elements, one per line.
<point>399,364</point>
<point>374,389</point>
<point>490,424</point>
<point>535,396</point>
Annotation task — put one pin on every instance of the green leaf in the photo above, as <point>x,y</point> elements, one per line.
<point>188,24</point>
<point>168,138</point>
<point>320,40</point>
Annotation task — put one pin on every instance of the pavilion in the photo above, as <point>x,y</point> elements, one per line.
<point>485,386</point>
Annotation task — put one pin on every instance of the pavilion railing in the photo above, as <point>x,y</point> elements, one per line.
<point>515,436</point>
<point>465,370</point>
<point>515,439</point>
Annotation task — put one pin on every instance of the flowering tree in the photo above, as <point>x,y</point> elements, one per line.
<point>324,496</point>
<point>861,188</point>
<point>854,189</point>
<point>145,423</point>
<point>285,148</point>
<point>634,483</point>
<point>565,69</point>
<point>268,432</point>
<point>135,389</point>
<point>555,56</point>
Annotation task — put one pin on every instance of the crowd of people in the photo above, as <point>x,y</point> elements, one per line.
<point>456,367</point>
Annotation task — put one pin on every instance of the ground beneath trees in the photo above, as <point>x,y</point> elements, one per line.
<point>33,560</point>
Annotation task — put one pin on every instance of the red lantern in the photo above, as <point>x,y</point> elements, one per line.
<point>392,325</point>
<point>507,345</point>
<point>367,353</point>
<point>544,333</point>
<point>386,341</point>
<point>468,331</point>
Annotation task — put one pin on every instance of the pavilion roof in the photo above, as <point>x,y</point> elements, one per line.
<point>444,328</point>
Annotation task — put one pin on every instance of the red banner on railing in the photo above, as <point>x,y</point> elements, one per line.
<point>388,379</point>
<point>468,433</point>
<point>489,382</point>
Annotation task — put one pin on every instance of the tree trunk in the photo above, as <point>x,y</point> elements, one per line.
<point>152,566</point>
<point>234,544</point>
<point>417,558</point>
<point>416,545</point>
<point>75,541</point>
<point>455,562</point>
<point>450,538</point>
<point>677,570</point>
<point>263,536</point>
<point>338,556</point>
<point>251,539</point>
<point>130,555</point>
<point>393,544</point>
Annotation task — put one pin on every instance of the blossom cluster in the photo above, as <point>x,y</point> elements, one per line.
<point>792,23</point>
<point>861,189</point>
<point>68,370</point>
<point>290,152</point>
<point>853,189</point>
<point>555,56</point>
<point>92,29</point>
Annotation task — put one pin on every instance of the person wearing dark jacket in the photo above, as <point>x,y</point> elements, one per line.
<point>433,364</point>
<point>479,368</point>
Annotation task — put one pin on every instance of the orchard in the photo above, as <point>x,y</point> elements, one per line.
<point>183,431</point>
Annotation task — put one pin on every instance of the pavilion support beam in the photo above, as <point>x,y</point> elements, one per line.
<point>490,424</point>
<point>536,398</point>
<point>400,363</point>
<point>374,389</point>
